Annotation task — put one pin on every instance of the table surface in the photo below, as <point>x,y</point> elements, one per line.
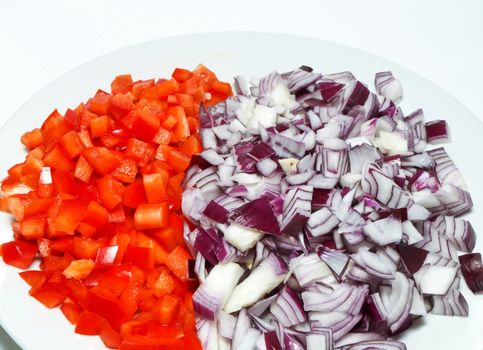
<point>41,40</point>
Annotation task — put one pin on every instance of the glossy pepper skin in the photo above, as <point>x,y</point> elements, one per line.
<point>103,215</point>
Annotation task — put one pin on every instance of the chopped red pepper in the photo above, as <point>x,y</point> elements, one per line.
<point>107,223</point>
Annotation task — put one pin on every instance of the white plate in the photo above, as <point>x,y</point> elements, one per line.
<point>32,326</point>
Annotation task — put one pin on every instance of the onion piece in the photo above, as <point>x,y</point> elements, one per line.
<point>472,269</point>
<point>258,215</point>
<point>287,308</point>
<point>214,292</point>
<point>268,275</point>
<point>241,237</point>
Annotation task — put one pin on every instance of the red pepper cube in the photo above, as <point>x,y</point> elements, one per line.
<point>121,105</point>
<point>96,214</point>
<point>33,228</point>
<point>54,127</point>
<point>35,279</point>
<point>57,158</point>
<point>181,74</point>
<point>106,255</point>
<point>19,254</point>
<point>88,323</point>
<point>181,128</point>
<point>99,104</point>
<point>151,216</point>
<point>100,126</point>
<point>104,304</point>
<point>170,122</point>
<point>51,294</point>
<point>109,336</point>
<point>140,256</point>
<point>178,161</point>
<point>126,171</point>
<point>167,309</point>
<point>162,137</point>
<point>32,139</point>
<point>140,151</point>
<point>221,88</point>
<point>134,195</point>
<point>178,262</point>
<point>83,170</point>
<point>155,187</point>
<point>110,191</point>
<point>191,146</point>
<point>69,216</point>
<point>72,144</point>
<point>146,124</point>
<point>102,160</point>
<point>86,248</point>
<point>168,87</point>
<point>36,206</point>
<point>121,84</point>
<point>71,312</point>
<point>85,138</point>
<point>63,181</point>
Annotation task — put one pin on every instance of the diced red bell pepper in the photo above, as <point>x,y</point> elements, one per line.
<point>85,138</point>
<point>106,255</point>
<point>89,323</point>
<point>33,228</point>
<point>69,216</point>
<point>121,105</point>
<point>100,126</point>
<point>104,304</point>
<point>102,160</point>
<point>71,312</point>
<point>126,171</point>
<point>72,144</point>
<point>151,216</point>
<point>34,279</point>
<point>110,337</point>
<point>121,84</point>
<point>57,158</point>
<point>140,151</point>
<point>139,256</point>
<point>96,214</point>
<point>110,191</point>
<point>178,161</point>
<point>63,181</point>
<point>162,137</point>
<point>36,206</point>
<point>146,124</point>
<point>51,294</point>
<point>19,254</point>
<point>134,195</point>
<point>85,248</point>
<point>155,187</point>
<point>181,74</point>
<point>167,309</point>
<point>178,262</point>
<point>32,139</point>
<point>54,127</point>
<point>99,104</point>
<point>167,87</point>
<point>83,170</point>
<point>79,269</point>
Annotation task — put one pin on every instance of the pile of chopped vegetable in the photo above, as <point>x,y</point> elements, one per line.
<point>323,219</point>
<point>98,201</point>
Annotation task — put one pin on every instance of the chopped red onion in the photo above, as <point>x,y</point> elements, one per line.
<point>342,225</point>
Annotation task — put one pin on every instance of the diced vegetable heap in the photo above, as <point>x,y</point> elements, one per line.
<point>98,200</point>
<point>323,221</point>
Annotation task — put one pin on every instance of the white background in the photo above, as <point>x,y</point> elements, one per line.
<point>40,40</point>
